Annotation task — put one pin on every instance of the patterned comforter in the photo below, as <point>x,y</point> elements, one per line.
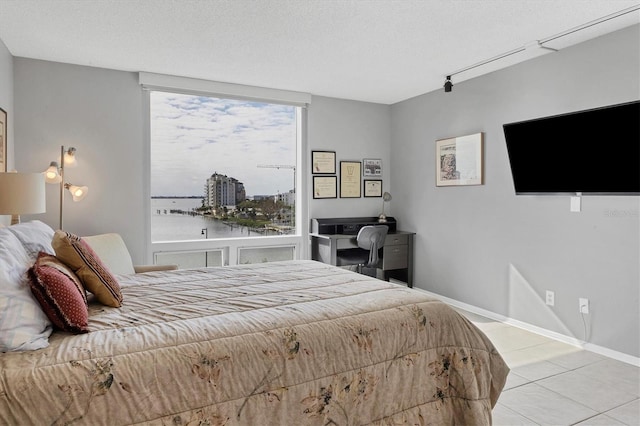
<point>283,343</point>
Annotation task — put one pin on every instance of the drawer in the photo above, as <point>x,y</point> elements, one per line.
<point>346,243</point>
<point>396,239</point>
<point>395,257</point>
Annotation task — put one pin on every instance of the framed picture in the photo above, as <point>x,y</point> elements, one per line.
<point>372,188</point>
<point>372,167</point>
<point>459,161</point>
<point>323,162</point>
<point>3,140</point>
<point>325,187</point>
<point>350,179</point>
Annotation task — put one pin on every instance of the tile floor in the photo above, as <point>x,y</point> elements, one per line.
<point>554,383</point>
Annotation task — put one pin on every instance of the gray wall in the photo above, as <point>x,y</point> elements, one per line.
<point>489,248</point>
<point>6,94</point>
<point>355,131</point>
<point>100,113</point>
<point>6,103</point>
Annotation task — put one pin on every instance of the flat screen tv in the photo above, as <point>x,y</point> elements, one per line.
<point>592,152</point>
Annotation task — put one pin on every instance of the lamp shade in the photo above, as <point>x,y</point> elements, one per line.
<point>78,192</point>
<point>52,175</point>
<point>22,193</point>
<point>69,157</point>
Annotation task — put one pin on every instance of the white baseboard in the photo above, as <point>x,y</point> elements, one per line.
<point>601,350</point>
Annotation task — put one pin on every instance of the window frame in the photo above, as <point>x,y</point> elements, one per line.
<point>231,246</point>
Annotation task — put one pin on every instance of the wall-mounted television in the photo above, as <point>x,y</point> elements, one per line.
<point>592,152</point>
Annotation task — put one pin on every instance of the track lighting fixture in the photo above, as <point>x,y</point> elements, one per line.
<point>448,85</point>
<point>540,44</point>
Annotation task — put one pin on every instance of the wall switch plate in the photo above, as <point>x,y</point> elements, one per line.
<point>551,298</point>
<point>583,305</point>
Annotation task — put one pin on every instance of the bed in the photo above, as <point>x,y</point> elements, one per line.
<point>281,343</point>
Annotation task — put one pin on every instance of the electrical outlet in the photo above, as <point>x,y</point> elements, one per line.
<point>551,298</point>
<point>584,305</point>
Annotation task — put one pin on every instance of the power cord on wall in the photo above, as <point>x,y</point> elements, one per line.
<point>584,327</point>
<point>584,309</point>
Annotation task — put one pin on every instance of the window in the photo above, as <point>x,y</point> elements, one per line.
<point>222,168</point>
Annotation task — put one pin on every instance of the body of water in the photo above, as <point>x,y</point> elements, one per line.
<point>168,226</point>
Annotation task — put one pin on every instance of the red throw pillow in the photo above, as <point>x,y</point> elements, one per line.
<point>60,294</point>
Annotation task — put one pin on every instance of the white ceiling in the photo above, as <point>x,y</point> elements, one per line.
<point>380,51</point>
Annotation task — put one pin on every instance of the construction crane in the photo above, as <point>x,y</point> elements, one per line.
<point>276,166</point>
<point>284,166</point>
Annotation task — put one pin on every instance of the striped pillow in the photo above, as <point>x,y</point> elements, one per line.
<point>60,294</point>
<point>93,274</point>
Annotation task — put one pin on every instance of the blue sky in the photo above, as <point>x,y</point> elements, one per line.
<point>194,136</point>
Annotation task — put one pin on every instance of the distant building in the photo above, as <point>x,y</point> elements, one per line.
<point>288,198</point>
<point>222,190</point>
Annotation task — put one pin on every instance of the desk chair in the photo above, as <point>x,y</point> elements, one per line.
<point>370,240</point>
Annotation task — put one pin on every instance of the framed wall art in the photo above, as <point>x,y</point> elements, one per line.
<point>3,140</point>
<point>323,162</point>
<point>350,179</point>
<point>372,167</point>
<point>372,188</point>
<point>325,187</point>
<point>459,161</point>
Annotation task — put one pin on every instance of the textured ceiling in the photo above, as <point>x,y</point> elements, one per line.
<point>380,51</point>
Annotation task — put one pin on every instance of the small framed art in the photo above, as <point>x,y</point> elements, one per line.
<point>323,162</point>
<point>325,187</point>
<point>459,161</point>
<point>372,167</point>
<point>372,188</point>
<point>350,179</point>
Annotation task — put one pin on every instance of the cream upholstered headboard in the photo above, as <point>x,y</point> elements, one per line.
<point>113,252</point>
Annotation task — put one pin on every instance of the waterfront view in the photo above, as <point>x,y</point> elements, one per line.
<point>174,219</point>
<point>229,164</point>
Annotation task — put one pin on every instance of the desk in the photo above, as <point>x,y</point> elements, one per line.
<point>397,253</point>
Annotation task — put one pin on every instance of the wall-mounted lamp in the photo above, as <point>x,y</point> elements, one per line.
<point>448,85</point>
<point>21,193</point>
<point>386,197</point>
<point>55,174</point>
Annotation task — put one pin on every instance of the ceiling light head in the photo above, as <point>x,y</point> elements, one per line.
<point>448,85</point>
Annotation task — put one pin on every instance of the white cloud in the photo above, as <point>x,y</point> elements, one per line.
<point>193,137</point>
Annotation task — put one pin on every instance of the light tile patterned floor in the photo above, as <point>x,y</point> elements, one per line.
<point>553,383</point>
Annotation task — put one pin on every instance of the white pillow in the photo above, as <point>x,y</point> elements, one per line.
<point>23,324</point>
<point>35,237</point>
